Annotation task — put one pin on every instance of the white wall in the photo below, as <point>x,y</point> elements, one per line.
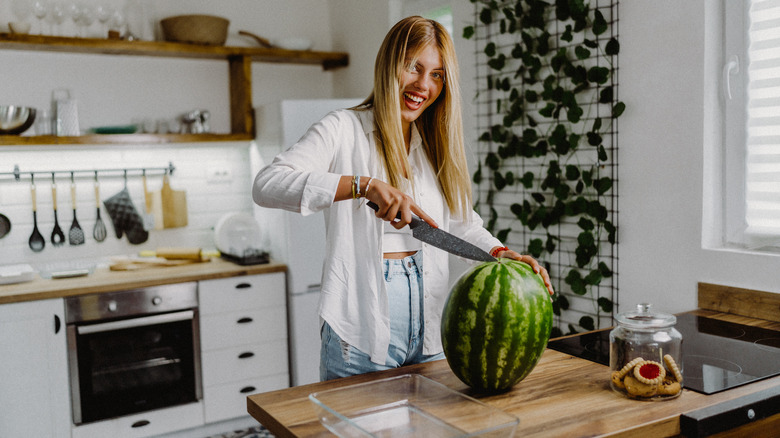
<point>667,76</point>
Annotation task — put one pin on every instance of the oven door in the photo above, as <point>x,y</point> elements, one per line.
<point>132,365</point>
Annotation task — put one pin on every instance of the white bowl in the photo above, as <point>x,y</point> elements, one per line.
<point>19,27</point>
<point>293,43</point>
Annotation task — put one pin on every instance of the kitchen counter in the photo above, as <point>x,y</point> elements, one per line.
<point>563,396</point>
<point>104,280</point>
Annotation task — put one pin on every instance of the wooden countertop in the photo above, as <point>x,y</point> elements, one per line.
<point>104,280</point>
<point>563,396</point>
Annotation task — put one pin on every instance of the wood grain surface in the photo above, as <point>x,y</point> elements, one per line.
<point>562,397</point>
<point>104,280</point>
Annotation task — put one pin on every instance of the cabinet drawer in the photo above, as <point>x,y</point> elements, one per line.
<point>244,362</point>
<point>229,400</point>
<point>145,424</point>
<point>242,327</point>
<point>248,292</point>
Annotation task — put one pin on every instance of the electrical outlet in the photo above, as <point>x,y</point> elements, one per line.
<point>219,175</point>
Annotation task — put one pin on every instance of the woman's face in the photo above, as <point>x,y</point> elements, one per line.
<point>421,84</point>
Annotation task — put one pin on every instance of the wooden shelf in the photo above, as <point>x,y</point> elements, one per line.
<point>242,120</point>
<point>328,60</point>
<point>102,139</point>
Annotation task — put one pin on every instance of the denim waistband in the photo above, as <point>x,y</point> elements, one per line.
<point>408,265</point>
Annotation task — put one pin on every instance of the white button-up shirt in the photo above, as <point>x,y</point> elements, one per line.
<point>353,298</point>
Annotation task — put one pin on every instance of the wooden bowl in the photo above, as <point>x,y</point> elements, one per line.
<point>195,29</point>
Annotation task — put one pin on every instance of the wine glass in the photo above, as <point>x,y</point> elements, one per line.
<point>87,17</point>
<point>103,13</point>
<point>55,16</point>
<point>40,10</point>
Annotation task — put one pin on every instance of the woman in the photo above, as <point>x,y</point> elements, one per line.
<point>382,290</point>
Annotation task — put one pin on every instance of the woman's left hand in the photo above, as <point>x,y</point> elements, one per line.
<point>539,269</point>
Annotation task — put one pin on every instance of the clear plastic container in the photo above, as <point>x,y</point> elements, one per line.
<point>408,405</point>
<point>646,355</point>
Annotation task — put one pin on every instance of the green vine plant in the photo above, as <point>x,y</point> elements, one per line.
<point>552,88</point>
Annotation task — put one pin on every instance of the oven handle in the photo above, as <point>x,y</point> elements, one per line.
<point>136,322</point>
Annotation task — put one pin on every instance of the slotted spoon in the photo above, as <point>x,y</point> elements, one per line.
<point>99,231</point>
<point>57,236</point>
<point>76,234</point>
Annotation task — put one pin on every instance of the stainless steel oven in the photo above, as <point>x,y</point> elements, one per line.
<point>133,351</point>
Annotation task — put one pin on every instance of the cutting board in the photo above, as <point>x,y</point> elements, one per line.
<point>171,205</point>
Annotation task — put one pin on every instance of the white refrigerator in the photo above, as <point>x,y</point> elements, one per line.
<point>305,249</point>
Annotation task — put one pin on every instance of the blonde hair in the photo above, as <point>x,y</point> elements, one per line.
<point>440,125</point>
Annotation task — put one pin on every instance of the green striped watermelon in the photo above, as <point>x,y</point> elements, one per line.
<point>496,324</point>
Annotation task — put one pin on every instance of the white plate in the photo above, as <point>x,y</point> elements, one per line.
<point>237,233</point>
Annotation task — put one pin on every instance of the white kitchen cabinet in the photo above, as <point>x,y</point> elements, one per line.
<point>34,396</point>
<point>243,325</point>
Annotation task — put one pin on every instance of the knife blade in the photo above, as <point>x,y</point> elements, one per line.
<point>442,239</point>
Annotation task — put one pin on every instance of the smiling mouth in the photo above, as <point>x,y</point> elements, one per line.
<point>413,100</point>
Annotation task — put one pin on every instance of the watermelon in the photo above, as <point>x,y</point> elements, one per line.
<point>496,324</point>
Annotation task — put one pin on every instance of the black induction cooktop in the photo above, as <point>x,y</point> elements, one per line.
<point>716,355</point>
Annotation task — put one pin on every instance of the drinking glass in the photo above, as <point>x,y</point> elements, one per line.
<point>86,19</point>
<point>40,10</point>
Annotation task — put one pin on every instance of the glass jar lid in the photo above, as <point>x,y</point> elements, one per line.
<point>645,318</point>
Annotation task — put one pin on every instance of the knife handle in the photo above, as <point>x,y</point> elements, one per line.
<point>397,216</point>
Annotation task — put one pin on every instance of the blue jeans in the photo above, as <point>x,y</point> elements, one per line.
<point>404,283</point>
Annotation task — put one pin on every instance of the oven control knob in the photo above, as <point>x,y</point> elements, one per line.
<point>156,301</point>
<point>112,306</point>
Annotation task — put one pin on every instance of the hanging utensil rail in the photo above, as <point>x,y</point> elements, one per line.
<point>91,173</point>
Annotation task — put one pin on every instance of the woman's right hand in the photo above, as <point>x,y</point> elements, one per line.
<point>392,201</point>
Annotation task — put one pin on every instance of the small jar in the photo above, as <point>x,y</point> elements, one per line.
<point>645,355</point>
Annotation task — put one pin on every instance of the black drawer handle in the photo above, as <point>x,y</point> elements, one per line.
<point>245,320</point>
<point>140,423</point>
<point>246,355</point>
<point>243,285</point>
<point>246,389</point>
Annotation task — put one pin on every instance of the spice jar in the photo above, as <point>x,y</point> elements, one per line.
<point>645,355</point>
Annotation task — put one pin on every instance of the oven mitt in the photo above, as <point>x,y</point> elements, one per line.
<point>125,217</point>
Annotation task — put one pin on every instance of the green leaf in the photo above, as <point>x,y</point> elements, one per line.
<point>602,153</point>
<point>563,302</point>
<point>486,16</point>
<point>527,180</point>
<point>593,278</point>
<point>490,49</point>
<point>535,247</point>
<point>597,124</point>
<point>572,172</point>
<point>549,245</point>
<point>613,47</point>
<point>498,62</point>
<point>492,161</point>
<point>594,138</point>
<point>606,95</point>
<point>599,23</point>
<point>518,211</point>
<point>604,269</point>
<point>538,197</point>
<point>605,304</point>
<point>599,75</point>
<point>586,224</point>
<point>468,32</point>
<point>575,281</point>
<point>586,322</point>
<point>581,52</point>
<point>503,234</point>
<point>618,109</point>
<point>602,185</point>
<point>499,181</point>
<point>478,174</point>
<point>517,52</point>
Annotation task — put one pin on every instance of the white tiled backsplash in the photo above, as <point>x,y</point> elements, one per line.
<point>208,198</point>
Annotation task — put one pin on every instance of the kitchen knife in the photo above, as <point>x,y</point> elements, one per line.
<point>443,240</point>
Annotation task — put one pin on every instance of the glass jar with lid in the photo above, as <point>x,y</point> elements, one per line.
<point>645,355</point>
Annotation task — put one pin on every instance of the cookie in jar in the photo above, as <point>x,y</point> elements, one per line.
<point>645,355</point>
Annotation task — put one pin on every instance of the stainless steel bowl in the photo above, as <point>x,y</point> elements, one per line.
<point>15,119</point>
